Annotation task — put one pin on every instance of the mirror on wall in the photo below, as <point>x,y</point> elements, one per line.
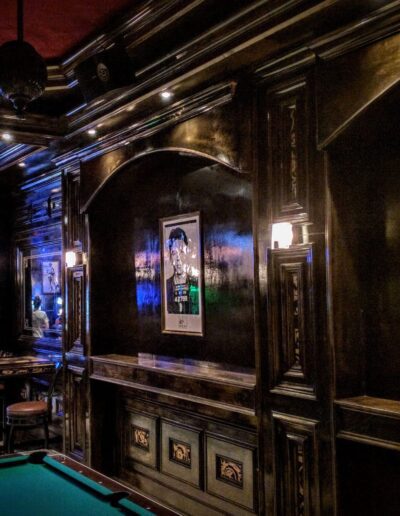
<point>43,310</point>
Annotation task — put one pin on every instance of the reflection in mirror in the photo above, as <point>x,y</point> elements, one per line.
<point>43,299</point>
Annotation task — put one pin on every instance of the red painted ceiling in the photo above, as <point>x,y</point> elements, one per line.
<point>55,27</point>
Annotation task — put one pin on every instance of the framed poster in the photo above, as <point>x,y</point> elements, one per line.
<point>51,277</point>
<point>181,275</point>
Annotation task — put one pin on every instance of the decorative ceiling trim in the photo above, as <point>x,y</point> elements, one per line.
<point>379,24</point>
<point>132,26</point>
<point>239,26</point>
<point>15,153</point>
<point>294,61</point>
<point>361,32</point>
<point>195,65</point>
<point>178,112</point>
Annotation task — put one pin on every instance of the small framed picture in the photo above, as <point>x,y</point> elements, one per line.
<point>182,275</point>
<point>51,277</point>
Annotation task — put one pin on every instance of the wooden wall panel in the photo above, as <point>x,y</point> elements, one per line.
<point>292,306</point>
<point>76,298</point>
<point>288,134</point>
<point>209,460</point>
<point>76,418</point>
<point>181,452</point>
<point>296,466</point>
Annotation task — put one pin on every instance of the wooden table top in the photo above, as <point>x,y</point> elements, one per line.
<point>24,366</point>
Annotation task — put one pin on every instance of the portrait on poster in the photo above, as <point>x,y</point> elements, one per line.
<point>51,277</point>
<point>181,274</point>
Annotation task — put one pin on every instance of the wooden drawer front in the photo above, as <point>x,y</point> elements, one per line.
<point>230,472</point>
<point>180,452</point>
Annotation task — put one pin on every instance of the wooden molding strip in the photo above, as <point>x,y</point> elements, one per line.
<point>176,113</point>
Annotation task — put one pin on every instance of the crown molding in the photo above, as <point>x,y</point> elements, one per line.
<point>13,154</point>
<point>379,24</point>
<point>180,111</point>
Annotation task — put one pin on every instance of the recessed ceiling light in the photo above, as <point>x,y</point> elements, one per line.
<point>22,164</point>
<point>92,132</point>
<point>166,94</point>
<point>7,137</point>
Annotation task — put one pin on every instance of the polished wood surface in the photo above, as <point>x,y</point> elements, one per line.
<point>129,314</point>
<point>11,367</point>
<point>282,112</point>
<point>207,383</point>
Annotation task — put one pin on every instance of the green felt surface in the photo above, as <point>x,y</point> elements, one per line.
<point>75,475</point>
<point>41,490</point>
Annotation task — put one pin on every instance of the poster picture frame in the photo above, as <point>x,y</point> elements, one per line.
<point>182,280</point>
<point>51,277</point>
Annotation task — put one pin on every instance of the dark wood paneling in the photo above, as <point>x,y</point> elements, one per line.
<point>292,306</point>
<point>368,480</point>
<point>349,84</point>
<point>198,384</point>
<point>296,466</point>
<point>76,412</point>
<point>369,420</point>
<point>201,459</point>
<point>75,308</point>
<point>127,316</point>
<point>73,219</point>
<point>288,116</point>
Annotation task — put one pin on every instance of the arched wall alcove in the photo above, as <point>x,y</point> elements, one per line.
<point>364,238</point>
<point>125,288</point>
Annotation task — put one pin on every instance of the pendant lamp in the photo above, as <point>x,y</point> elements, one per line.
<point>23,72</point>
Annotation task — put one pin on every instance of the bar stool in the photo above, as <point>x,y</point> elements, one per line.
<point>29,414</point>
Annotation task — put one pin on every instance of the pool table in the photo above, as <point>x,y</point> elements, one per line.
<point>45,483</point>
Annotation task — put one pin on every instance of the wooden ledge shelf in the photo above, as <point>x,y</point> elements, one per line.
<point>205,384</point>
<point>369,420</point>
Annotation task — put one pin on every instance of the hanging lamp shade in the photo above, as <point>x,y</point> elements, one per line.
<point>23,72</point>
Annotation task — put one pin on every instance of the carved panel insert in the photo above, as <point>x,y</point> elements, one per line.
<point>140,437</point>
<point>229,470</point>
<point>180,452</point>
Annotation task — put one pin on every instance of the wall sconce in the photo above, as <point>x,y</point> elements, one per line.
<point>282,235</point>
<point>70,259</point>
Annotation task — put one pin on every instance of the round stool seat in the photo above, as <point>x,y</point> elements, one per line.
<point>27,408</point>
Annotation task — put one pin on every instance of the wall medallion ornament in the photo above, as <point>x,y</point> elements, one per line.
<point>103,72</point>
<point>180,452</point>
<point>229,470</point>
<point>141,437</point>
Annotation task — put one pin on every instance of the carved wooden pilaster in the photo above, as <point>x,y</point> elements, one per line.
<point>292,307</point>
<point>288,138</point>
<point>296,465</point>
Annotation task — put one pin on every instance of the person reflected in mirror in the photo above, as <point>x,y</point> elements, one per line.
<point>182,286</point>
<point>40,321</point>
<point>58,323</point>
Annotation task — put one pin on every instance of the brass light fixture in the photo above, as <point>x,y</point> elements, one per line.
<point>23,72</point>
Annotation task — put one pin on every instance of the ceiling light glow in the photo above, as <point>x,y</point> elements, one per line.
<point>166,94</point>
